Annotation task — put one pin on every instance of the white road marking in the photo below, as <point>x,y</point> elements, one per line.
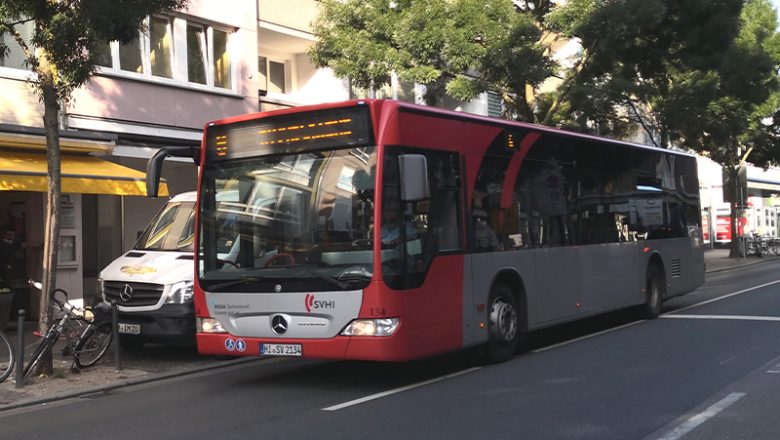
<point>693,422</point>
<point>397,390</point>
<point>674,314</point>
<point>729,317</point>
<point>539,350</point>
<point>749,289</point>
<point>774,370</point>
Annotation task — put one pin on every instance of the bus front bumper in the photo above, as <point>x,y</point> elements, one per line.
<point>387,348</point>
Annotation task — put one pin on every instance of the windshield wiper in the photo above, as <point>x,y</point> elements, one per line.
<point>340,284</point>
<point>336,282</point>
<point>231,283</point>
<point>354,273</point>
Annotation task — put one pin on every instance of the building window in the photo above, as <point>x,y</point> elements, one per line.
<point>130,57</point>
<point>221,59</point>
<point>204,49</point>
<point>196,54</point>
<point>273,75</point>
<point>14,57</point>
<point>160,47</point>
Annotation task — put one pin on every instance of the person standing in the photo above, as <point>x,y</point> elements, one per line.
<point>8,247</point>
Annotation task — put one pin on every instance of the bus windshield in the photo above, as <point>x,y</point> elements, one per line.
<point>172,229</point>
<point>292,222</point>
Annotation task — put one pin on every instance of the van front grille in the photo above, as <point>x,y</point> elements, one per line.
<point>132,294</point>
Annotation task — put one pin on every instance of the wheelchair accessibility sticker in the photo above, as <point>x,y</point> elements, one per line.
<point>230,344</point>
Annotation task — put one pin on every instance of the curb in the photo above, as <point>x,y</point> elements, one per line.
<point>740,265</point>
<point>42,400</point>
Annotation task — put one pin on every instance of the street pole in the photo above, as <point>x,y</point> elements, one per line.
<point>20,349</point>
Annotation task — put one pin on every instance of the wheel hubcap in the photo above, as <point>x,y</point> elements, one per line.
<point>503,320</point>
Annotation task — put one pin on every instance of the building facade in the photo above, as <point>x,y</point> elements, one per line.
<point>191,66</point>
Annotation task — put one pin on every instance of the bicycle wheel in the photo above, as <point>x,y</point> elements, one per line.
<point>40,351</point>
<point>92,346</point>
<point>6,357</point>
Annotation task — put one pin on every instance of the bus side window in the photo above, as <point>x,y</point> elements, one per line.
<point>431,226</point>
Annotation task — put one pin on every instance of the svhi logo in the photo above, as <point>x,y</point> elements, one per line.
<point>316,304</point>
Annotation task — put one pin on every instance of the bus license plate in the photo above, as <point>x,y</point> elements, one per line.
<point>281,349</point>
<point>129,329</point>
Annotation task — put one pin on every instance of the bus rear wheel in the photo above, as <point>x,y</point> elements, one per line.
<point>503,324</point>
<point>654,293</point>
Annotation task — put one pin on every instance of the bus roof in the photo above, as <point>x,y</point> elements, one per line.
<point>383,106</point>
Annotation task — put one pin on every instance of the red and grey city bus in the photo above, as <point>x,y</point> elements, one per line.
<point>380,230</point>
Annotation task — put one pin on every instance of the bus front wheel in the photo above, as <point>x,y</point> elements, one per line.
<point>654,293</point>
<point>503,324</point>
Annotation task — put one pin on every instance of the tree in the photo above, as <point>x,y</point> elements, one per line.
<point>62,55</point>
<point>456,47</point>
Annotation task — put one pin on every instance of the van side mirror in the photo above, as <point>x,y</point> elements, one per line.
<point>414,177</point>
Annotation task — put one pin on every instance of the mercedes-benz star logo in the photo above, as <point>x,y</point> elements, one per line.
<point>278,288</point>
<point>126,294</point>
<point>279,324</point>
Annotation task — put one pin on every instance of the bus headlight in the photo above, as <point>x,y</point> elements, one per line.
<point>372,327</point>
<point>180,293</point>
<point>209,325</point>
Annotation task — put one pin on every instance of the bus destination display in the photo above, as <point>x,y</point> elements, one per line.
<point>332,128</point>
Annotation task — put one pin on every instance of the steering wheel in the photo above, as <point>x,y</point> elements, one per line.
<point>363,243</point>
<point>232,263</point>
<point>277,257</point>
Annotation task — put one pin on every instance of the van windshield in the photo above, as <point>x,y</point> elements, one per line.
<point>172,229</point>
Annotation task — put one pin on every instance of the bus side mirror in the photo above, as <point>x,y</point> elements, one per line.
<point>155,163</point>
<point>414,177</point>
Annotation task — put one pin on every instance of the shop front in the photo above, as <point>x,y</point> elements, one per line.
<point>23,186</point>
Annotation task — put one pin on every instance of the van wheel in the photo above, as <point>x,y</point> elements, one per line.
<point>503,324</point>
<point>654,293</point>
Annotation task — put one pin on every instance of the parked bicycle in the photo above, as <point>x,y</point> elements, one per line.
<point>7,357</point>
<point>756,245</point>
<point>88,330</point>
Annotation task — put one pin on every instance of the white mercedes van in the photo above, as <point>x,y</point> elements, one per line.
<point>152,284</point>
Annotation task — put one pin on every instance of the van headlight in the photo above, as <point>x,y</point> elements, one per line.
<point>372,327</point>
<point>180,293</point>
<point>209,325</point>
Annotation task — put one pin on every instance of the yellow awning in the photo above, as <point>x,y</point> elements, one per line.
<point>23,171</point>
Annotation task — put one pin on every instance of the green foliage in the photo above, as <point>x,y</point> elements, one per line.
<point>68,33</point>
<point>699,73</point>
<point>457,47</point>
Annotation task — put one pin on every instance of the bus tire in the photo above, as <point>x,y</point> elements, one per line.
<point>503,324</point>
<point>654,292</point>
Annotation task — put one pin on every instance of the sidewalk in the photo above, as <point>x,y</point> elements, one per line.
<point>155,362</point>
<point>718,260</point>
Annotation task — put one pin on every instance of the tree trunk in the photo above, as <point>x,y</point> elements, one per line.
<point>735,203</point>
<point>52,228</point>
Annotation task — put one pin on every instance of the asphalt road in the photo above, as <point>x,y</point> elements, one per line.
<point>708,368</point>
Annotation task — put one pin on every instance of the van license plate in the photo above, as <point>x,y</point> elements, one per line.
<point>281,349</point>
<point>129,329</point>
